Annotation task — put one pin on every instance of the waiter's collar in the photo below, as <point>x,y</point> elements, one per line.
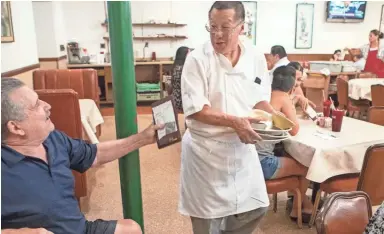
<point>282,62</point>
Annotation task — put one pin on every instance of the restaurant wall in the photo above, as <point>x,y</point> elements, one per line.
<point>20,57</point>
<point>275,25</point>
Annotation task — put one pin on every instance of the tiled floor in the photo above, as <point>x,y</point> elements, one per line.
<point>159,171</point>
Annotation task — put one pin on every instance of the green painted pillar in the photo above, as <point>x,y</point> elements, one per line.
<point>124,90</point>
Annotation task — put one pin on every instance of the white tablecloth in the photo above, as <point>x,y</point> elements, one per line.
<point>328,153</point>
<point>90,118</point>
<point>361,88</point>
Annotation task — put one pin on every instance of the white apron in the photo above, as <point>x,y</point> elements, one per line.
<point>220,176</point>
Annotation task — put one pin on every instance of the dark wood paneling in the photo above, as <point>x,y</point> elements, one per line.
<point>53,59</point>
<point>20,70</point>
<point>307,57</point>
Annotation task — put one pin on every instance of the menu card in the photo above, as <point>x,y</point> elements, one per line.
<point>164,112</point>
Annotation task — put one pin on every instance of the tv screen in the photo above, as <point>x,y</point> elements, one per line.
<point>346,11</point>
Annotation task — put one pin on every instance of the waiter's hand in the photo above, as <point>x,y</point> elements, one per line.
<point>244,130</point>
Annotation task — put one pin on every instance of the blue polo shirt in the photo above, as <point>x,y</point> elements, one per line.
<point>34,194</point>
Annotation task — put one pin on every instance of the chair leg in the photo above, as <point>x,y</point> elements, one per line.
<point>299,211</point>
<point>315,206</point>
<point>275,202</point>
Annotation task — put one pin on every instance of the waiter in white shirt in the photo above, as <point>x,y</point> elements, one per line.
<point>222,184</point>
<point>278,57</point>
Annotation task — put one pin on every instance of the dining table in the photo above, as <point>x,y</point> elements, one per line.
<point>361,88</point>
<point>327,153</point>
<point>90,118</point>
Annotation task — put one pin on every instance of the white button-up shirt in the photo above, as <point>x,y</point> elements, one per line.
<point>282,62</point>
<point>221,176</point>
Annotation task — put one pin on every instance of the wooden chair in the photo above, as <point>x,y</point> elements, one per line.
<point>65,115</point>
<point>377,93</point>
<point>346,103</point>
<point>316,88</point>
<point>376,115</point>
<point>344,213</point>
<point>370,180</point>
<point>290,183</point>
<point>83,81</point>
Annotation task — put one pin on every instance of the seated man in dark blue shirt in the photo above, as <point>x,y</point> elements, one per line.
<point>36,161</point>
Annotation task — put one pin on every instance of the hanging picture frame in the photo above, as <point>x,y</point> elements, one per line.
<point>249,33</point>
<point>6,22</point>
<point>304,25</point>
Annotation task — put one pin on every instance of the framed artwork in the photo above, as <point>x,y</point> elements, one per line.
<point>250,21</point>
<point>304,25</point>
<point>6,22</point>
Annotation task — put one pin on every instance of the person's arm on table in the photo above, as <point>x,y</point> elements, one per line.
<point>300,99</point>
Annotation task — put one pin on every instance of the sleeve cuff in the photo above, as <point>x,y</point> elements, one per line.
<point>192,105</point>
<point>89,161</point>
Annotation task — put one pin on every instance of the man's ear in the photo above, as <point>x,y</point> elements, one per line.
<point>15,128</point>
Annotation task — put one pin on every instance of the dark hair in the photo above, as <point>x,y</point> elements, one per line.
<point>181,55</point>
<point>279,50</point>
<point>225,5</point>
<point>284,78</point>
<point>377,33</point>
<point>296,66</point>
<point>336,51</point>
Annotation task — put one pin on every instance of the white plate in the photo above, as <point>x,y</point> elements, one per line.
<point>274,137</point>
<point>275,141</point>
<point>275,132</point>
<point>262,128</point>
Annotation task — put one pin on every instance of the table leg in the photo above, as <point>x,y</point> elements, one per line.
<point>316,187</point>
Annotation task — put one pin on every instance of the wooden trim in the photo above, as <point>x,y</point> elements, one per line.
<point>53,59</point>
<point>20,70</point>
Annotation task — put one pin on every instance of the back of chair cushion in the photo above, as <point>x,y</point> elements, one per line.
<point>372,174</point>
<point>83,81</point>
<point>344,213</point>
<point>377,92</point>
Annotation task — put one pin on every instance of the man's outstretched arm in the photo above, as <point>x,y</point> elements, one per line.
<point>112,150</point>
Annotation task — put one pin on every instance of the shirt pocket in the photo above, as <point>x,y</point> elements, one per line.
<point>250,92</point>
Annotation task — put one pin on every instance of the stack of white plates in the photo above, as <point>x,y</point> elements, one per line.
<point>270,134</point>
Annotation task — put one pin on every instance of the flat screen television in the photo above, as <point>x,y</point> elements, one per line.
<point>346,11</point>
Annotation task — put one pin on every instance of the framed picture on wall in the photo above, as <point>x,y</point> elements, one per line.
<point>304,25</point>
<point>250,21</point>
<point>6,22</point>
